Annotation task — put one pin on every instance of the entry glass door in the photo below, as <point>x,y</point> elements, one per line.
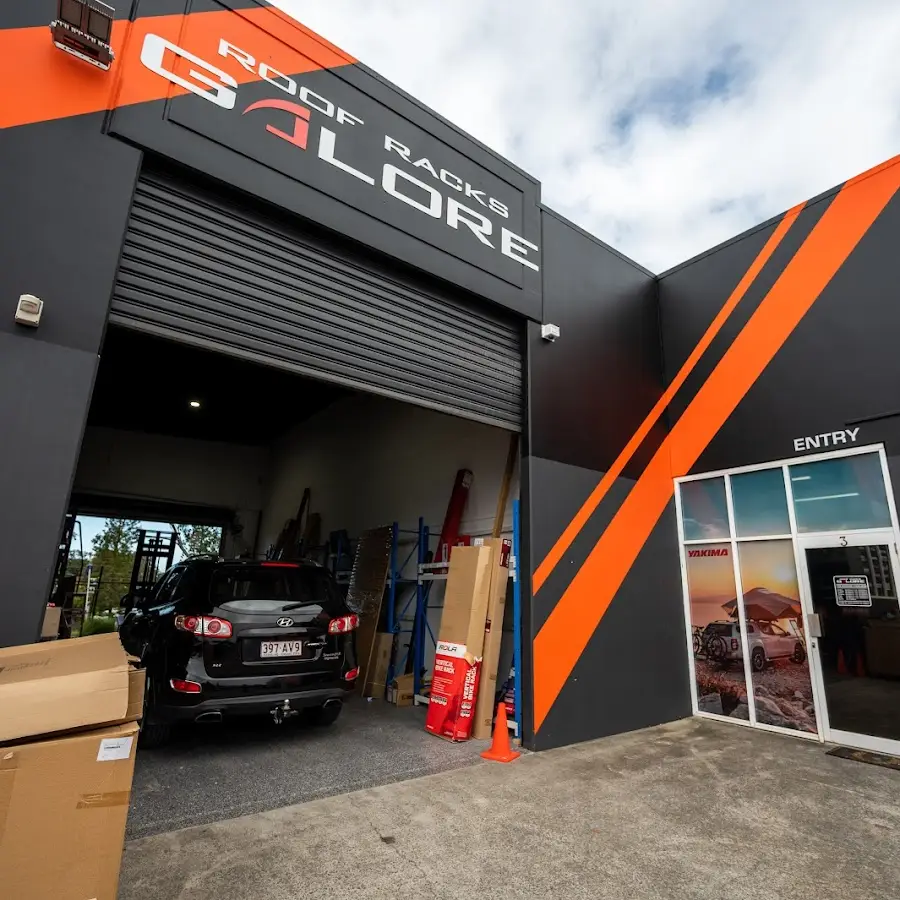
<point>854,625</point>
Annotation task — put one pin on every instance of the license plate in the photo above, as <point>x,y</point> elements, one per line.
<point>277,649</point>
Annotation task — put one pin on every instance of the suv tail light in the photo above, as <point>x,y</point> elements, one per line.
<point>734,644</point>
<point>352,675</point>
<point>185,687</point>
<point>343,624</point>
<point>204,626</point>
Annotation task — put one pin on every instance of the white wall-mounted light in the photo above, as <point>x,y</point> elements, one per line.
<point>84,29</point>
<point>28,310</point>
<point>195,404</point>
<point>550,332</point>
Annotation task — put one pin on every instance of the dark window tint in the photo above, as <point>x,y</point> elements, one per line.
<point>270,589</point>
<point>840,494</point>
<point>760,503</point>
<point>724,628</point>
<point>704,509</point>
<point>164,593</point>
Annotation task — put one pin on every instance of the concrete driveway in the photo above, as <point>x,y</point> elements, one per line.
<point>690,810</point>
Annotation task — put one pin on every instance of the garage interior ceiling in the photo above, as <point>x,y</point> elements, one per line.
<point>146,384</point>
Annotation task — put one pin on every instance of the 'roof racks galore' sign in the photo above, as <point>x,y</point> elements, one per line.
<point>320,129</point>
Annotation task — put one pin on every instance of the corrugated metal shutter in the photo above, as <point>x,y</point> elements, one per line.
<point>209,268</point>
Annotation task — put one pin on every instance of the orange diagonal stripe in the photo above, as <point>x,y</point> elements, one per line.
<point>565,634</point>
<point>43,83</point>
<point>551,560</point>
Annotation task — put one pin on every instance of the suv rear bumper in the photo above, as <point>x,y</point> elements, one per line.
<point>261,704</point>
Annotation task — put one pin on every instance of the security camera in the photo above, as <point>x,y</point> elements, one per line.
<point>550,332</point>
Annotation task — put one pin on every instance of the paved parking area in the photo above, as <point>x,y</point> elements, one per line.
<point>214,772</point>
<point>690,811</point>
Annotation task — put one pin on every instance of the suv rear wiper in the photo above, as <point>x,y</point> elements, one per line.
<point>295,605</point>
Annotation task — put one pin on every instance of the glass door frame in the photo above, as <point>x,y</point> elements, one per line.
<point>796,537</point>
<point>859,538</point>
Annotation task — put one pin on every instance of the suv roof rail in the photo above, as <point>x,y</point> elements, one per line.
<point>259,560</point>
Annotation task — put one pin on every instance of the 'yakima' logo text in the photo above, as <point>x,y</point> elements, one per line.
<point>710,551</point>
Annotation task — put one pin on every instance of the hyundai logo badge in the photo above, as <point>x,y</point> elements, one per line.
<point>285,622</point>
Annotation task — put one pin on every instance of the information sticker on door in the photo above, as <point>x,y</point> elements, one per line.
<point>852,590</point>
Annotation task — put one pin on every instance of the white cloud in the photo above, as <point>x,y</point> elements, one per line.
<point>661,126</point>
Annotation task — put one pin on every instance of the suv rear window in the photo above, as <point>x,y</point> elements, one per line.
<point>719,628</point>
<point>269,589</point>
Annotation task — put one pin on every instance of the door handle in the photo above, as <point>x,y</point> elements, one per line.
<point>815,625</point>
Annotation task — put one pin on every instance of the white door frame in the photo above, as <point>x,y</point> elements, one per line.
<point>881,536</point>
<point>800,540</point>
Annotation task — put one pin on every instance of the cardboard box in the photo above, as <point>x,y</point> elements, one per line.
<point>65,772</point>
<point>63,807</point>
<point>376,677</point>
<point>493,636</point>
<point>457,661</point>
<point>401,691</point>
<point>65,685</point>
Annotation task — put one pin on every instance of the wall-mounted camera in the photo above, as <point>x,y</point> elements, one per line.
<point>550,332</point>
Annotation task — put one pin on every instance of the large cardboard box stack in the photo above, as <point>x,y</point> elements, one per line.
<point>493,636</point>
<point>68,735</point>
<point>457,661</point>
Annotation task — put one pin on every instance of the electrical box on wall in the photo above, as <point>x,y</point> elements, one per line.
<point>84,29</point>
<point>28,310</point>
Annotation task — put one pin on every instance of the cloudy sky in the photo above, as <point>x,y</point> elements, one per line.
<point>661,126</point>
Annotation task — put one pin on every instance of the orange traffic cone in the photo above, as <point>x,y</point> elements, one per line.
<point>842,666</point>
<point>501,751</point>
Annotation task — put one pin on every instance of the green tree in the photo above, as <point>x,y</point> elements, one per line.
<point>114,548</point>
<point>119,536</point>
<point>198,540</point>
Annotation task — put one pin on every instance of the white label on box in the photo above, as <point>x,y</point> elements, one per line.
<point>112,749</point>
<point>445,648</point>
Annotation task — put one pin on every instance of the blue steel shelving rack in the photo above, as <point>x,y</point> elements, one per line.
<point>396,581</point>
<point>515,570</point>
<point>428,573</point>
<point>420,630</point>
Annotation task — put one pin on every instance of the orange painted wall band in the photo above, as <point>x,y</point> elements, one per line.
<point>43,83</point>
<point>565,634</point>
<point>557,551</point>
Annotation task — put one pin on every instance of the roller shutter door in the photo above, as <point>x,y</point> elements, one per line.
<point>210,268</point>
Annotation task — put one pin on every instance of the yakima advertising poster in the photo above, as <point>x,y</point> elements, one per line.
<point>775,641</point>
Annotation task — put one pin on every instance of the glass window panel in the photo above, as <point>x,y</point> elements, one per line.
<point>840,494</point>
<point>704,510</point>
<point>760,503</point>
<point>858,647</point>
<point>782,690</point>
<point>718,660</point>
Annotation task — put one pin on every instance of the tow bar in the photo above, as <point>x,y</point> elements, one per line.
<point>282,712</point>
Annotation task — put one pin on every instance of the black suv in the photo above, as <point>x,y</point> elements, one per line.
<point>220,637</point>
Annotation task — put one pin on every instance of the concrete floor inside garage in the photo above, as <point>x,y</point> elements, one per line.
<point>693,810</point>
<point>214,772</point>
